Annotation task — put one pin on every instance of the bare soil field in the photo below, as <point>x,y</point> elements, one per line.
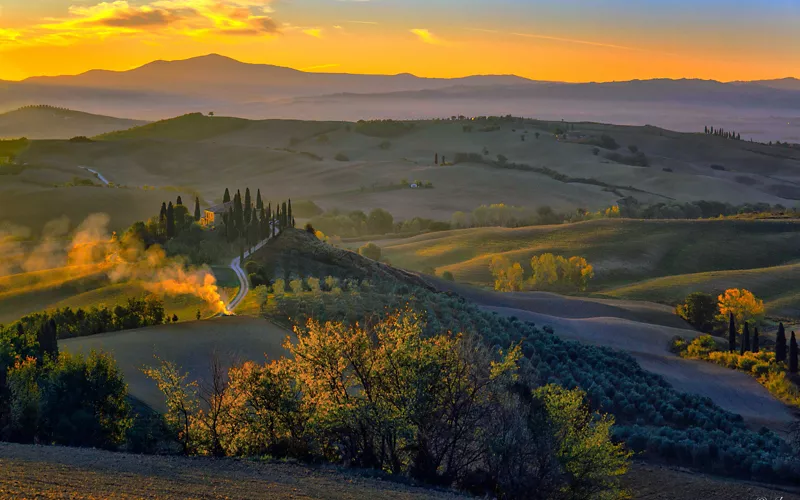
<point>54,472</point>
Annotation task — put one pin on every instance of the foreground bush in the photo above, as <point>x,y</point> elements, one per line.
<point>72,400</point>
<point>442,409</point>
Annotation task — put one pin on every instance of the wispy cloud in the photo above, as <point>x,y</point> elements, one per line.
<point>362,22</point>
<point>574,40</point>
<point>315,32</point>
<point>427,37</point>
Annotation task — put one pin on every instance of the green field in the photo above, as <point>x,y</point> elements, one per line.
<point>190,345</point>
<point>676,256</point>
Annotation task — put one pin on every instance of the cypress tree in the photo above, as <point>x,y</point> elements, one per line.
<point>289,216</point>
<point>238,213</point>
<point>196,208</point>
<point>293,224</point>
<point>793,354</point>
<point>248,207</point>
<point>259,201</point>
<point>179,200</point>
<point>162,217</point>
<point>284,219</point>
<point>227,197</point>
<point>745,339</point>
<point>755,340</point>
<point>780,344</point>
<point>732,334</point>
<point>170,221</point>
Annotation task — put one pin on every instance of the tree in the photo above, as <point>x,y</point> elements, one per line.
<point>238,213</point>
<point>699,310</point>
<point>742,304</point>
<point>47,339</point>
<point>370,251</point>
<point>755,345</point>
<point>170,221</point>
<point>447,275</point>
<point>745,339</point>
<point>780,344</point>
<point>508,277</point>
<point>289,216</point>
<point>732,334</point>
<point>259,201</point>
<point>227,197</point>
<point>248,207</point>
<point>436,158</point>
<point>197,215</point>
<point>793,354</point>
<point>536,135</point>
<point>179,201</point>
<point>380,221</point>
<point>162,219</point>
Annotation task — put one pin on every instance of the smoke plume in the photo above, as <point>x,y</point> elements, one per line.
<point>93,247</point>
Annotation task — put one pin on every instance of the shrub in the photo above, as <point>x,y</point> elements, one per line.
<point>72,400</point>
<point>699,310</point>
<point>447,275</point>
<point>341,157</point>
<point>370,251</point>
<point>385,145</point>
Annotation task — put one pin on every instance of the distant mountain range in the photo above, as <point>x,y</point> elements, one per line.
<point>216,83</point>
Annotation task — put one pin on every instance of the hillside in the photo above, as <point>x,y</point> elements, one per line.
<point>622,251</point>
<point>191,345</point>
<point>297,159</point>
<point>47,122</point>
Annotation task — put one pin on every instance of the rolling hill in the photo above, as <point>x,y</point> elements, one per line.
<point>48,122</point>
<point>217,83</point>
<point>298,159</point>
<point>660,261</point>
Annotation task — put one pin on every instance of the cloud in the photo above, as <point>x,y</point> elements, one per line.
<point>155,17</point>
<point>427,37</point>
<point>141,18</point>
<point>315,32</point>
<point>573,40</point>
<point>362,22</point>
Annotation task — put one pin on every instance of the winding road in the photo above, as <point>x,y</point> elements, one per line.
<point>244,283</point>
<point>96,174</point>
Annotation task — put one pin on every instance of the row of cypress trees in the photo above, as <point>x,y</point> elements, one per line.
<point>752,344</point>
<point>254,222</point>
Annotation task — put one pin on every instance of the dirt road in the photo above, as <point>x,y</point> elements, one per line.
<point>244,282</point>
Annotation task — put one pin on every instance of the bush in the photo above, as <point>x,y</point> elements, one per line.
<point>699,310</point>
<point>385,145</point>
<point>370,251</point>
<point>73,400</point>
<point>341,157</point>
<point>447,275</point>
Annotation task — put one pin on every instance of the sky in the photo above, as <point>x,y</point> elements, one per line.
<point>565,40</point>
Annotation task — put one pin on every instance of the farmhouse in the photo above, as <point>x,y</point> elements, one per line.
<point>213,215</point>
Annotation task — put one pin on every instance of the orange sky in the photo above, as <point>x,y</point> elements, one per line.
<point>575,40</point>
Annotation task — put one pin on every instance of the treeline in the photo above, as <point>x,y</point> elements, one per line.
<point>548,271</point>
<point>377,222</point>
<point>136,312</point>
<point>725,134</point>
<point>631,208</point>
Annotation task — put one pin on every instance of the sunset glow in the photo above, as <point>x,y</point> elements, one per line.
<point>571,40</point>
